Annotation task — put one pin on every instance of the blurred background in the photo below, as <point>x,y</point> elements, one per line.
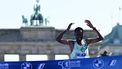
<point>29,27</point>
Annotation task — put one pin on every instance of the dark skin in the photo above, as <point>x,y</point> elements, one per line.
<point>78,36</point>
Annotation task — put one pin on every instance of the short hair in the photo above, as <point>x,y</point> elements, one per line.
<point>78,29</point>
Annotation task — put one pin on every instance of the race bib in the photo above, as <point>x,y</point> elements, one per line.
<point>80,55</point>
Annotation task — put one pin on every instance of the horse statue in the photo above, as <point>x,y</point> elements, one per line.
<point>36,16</point>
<point>46,21</point>
<point>24,20</point>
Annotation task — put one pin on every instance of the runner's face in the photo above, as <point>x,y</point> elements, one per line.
<point>79,35</point>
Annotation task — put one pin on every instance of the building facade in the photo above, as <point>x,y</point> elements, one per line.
<point>35,40</point>
<point>112,42</point>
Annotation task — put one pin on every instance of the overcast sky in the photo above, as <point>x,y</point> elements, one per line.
<point>104,14</point>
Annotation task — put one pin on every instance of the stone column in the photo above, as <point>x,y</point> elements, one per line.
<point>1,57</point>
<point>51,56</point>
<point>22,57</point>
